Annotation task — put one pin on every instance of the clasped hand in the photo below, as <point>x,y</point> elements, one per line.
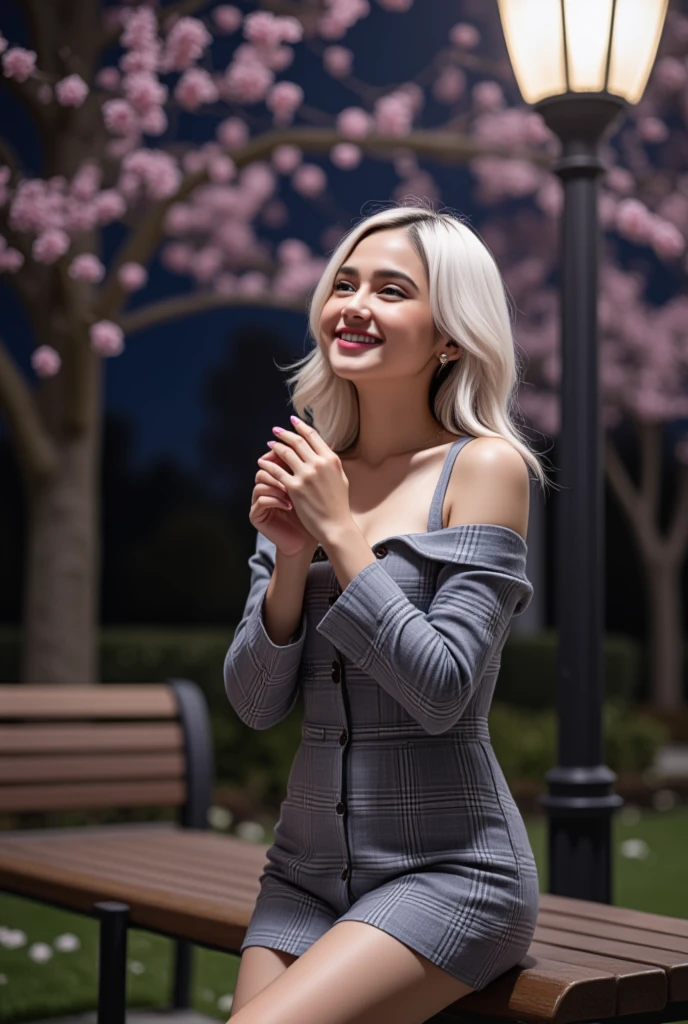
<point>315,481</point>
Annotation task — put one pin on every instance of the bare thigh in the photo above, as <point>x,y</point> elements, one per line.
<point>259,966</point>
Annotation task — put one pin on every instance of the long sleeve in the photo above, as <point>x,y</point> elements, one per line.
<point>261,678</point>
<point>431,663</point>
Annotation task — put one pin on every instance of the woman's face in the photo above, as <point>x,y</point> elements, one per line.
<point>380,291</point>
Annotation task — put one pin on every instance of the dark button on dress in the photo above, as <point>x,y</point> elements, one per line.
<point>395,777</point>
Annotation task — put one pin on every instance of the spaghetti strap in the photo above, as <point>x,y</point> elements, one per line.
<point>435,517</point>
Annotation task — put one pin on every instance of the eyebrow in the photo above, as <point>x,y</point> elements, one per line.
<point>385,272</point>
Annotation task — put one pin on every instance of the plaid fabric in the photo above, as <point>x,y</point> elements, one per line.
<point>397,812</point>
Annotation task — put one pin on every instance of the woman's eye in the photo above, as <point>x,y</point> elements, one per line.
<point>390,289</point>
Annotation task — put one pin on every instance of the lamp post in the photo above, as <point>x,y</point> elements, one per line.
<point>580,63</point>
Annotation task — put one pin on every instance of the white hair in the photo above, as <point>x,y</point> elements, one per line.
<point>475,394</point>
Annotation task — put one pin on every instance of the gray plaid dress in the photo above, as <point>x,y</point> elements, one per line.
<point>397,812</point>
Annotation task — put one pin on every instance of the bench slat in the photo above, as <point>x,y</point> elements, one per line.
<point>94,767</point>
<point>640,988</point>
<point>71,797</point>
<point>545,990</point>
<point>92,738</point>
<point>618,915</point>
<point>618,932</point>
<point>74,702</point>
<point>674,964</point>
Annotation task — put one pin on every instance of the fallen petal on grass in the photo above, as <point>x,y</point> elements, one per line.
<point>67,943</point>
<point>40,952</point>
<point>636,849</point>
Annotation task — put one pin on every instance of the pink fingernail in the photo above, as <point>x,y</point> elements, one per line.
<point>295,419</point>
<point>271,444</point>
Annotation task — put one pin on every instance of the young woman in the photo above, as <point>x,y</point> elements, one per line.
<point>390,559</point>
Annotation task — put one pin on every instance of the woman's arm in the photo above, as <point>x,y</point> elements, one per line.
<point>261,665</point>
<point>431,663</point>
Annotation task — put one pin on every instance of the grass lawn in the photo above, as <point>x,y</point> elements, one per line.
<point>66,981</point>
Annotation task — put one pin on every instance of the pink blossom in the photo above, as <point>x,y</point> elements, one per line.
<point>71,91</point>
<point>86,181</point>
<point>268,30</point>
<point>488,96</point>
<point>419,186</point>
<point>107,338</point>
<point>247,81</point>
<point>396,6</point>
<point>79,216</point>
<point>18,63</point>
<point>221,169</point>
<point>393,115</point>
<point>309,180</point>
<point>154,121</point>
<point>259,180</point>
<point>205,263</point>
<point>634,220</point>
<point>176,256</point>
<point>283,100</point>
<point>193,161</point>
<point>132,276</point>
<point>195,88</point>
<point>45,361</point>
<point>338,61</point>
<point>146,59</point>
<point>262,28</point>
<point>411,93</point>
<point>253,283</point>
<point>227,17</point>
<point>11,260</point>
<point>606,205</point>
<point>236,238</point>
<point>108,78</point>
<point>354,123</point>
<point>449,85</point>
<point>620,180</point>
<point>464,36</point>
<point>286,158</point>
<point>651,129</point>
<point>186,42</point>
<point>666,240</point>
<point>110,205</point>
<point>120,117</point>
<point>278,59</point>
<point>232,132</point>
<point>140,28</point>
<point>669,74</point>
<point>156,171</point>
<point>49,246</point>
<point>346,156</point>
<point>293,250</point>
<point>179,219</point>
<point>87,267</point>
<point>550,197</point>
<point>144,91</point>
<point>331,28</point>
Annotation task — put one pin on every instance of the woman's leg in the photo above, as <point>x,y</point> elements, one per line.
<point>355,974</point>
<point>258,968</point>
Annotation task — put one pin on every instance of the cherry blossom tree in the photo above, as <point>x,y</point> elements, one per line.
<point>105,87</point>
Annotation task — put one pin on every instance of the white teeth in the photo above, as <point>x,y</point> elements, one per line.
<point>362,338</point>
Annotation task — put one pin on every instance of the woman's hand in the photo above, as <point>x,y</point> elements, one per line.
<point>273,515</point>
<point>314,480</point>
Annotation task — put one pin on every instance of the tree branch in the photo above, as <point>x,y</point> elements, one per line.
<point>433,144</point>
<point>37,453</point>
<point>199,302</point>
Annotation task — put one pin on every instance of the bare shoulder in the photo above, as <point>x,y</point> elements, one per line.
<point>489,483</point>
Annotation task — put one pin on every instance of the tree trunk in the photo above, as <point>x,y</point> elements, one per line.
<point>666,636</point>
<point>62,574</point>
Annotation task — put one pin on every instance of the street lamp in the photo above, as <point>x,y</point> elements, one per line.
<point>580,63</point>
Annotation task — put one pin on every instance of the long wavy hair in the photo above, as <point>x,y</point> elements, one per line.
<point>473,395</point>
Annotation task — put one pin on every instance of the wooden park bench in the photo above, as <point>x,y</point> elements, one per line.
<point>123,746</point>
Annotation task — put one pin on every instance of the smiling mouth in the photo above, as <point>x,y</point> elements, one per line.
<point>356,338</point>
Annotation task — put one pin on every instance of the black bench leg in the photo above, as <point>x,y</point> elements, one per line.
<point>112,975</point>
<point>182,975</point>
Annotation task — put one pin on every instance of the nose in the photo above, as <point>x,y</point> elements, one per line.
<point>357,307</point>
